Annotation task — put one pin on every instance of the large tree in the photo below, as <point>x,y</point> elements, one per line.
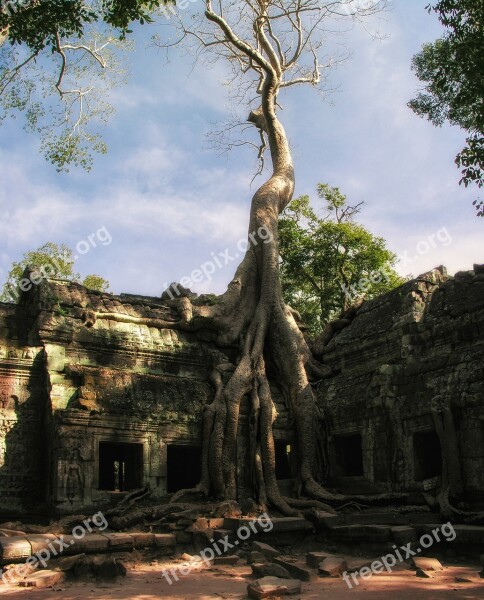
<point>271,45</point>
<point>330,262</point>
<point>452,71</point>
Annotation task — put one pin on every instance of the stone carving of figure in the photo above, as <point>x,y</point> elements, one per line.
<point>74,479</point>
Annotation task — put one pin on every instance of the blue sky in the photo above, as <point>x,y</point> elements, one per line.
<point>170,202</point>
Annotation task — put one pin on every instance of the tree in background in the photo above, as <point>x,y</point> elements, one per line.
<point>330,262</point>
<point>452,69</point>
<point>50,260</point>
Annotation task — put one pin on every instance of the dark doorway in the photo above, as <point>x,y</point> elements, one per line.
<point>120,466</point>
<point>427,455</point>
<point>348,455</point>
<point>183,467</point>
<point>283,459</point>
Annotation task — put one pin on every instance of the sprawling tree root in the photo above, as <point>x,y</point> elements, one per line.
<point>451,485</point>
<point>252,315</point>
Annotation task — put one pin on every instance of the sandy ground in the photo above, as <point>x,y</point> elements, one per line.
<point>146,582</point>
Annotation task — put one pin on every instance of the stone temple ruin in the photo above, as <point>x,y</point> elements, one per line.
<point>96,401</point>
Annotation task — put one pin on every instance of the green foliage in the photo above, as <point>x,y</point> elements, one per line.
<point>37,22</point>
<point>58,61</point>
<point>479,204</point>
<point>452,69</point>
<point>326,262</point>
<point>96,282</point>
<point>50,260</point>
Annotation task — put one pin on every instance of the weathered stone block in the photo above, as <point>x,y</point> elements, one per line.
<point>94,543</point>
<point>14,549</point>
<point>313,559</point>
<point>119,541</point>
<point>426,564</point>
<point>270,570</point>
<point>332,566</point>
<point>299,570</point>
<point>268,551</point>
<point>39,541</point>
<point>43,579</point>
<point>273,587</point>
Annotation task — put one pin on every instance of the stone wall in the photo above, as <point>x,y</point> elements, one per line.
<point>423,341</point>
<point>22,404</point>
<point>90,379</point>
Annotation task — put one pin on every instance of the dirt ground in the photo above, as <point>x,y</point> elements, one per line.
<point>146,582</point>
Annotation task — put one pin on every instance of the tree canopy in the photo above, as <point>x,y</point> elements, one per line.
<point>452,69</point>
<point>58,61</point>
<point>330,262</point>
<point>50,260</point>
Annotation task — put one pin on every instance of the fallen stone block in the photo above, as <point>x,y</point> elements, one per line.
<point>187,557</point>
<point>14,572</point>
<point>268,551</point>
<point>427,564</point>
<point>314,559</point>
<point>220,534</point>
<point>273,586</point>
<point>298,570</point>
<point>43,579</point>
<point>256,557</point>
<point>270,570</point>
<point>332,566</point>
<point>464,580</point>
<point>14,549</point>
<point>226,560</point>
<point>423,574</point>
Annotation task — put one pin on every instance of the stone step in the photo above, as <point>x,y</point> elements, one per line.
<point>17,549</point>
